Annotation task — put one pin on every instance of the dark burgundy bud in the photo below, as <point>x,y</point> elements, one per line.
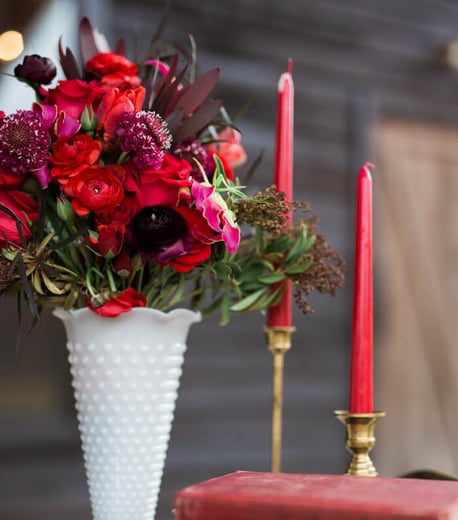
<point>36,70</point>
<point>157,226</point>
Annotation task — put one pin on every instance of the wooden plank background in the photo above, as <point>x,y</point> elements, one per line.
<point>355,62</point>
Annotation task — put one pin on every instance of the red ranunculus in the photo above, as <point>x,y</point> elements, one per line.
<point>110,239</point>
<point>73,95</point>
<point>71,155</point>
<point>121,213</point>
<point>26,210</point>
<point>164,185</point>
<point>116,305</point>
<point>97,188</point>
<point>113,106</point>
<point>114,70</point>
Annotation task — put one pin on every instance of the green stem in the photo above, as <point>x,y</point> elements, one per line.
<point>111,280</point>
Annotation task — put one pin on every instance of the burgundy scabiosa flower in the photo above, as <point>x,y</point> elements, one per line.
<point>146,135</point>
<point>23,142</point>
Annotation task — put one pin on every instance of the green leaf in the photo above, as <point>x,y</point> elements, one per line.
<point>260,240</point>
<point>251,286</point>
<point>300,246</point>
<point>223,271</point>
<point>275,296</point>
<point>225,310</point>
<point>251,272</point>
<point>279,245</point>
<point>247,302</point>
<point>272,298</point>
<point>272,278</point>
<point>299,268</point>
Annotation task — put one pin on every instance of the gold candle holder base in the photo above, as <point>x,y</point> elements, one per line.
<point>360,440</point>
<point>278,342</point>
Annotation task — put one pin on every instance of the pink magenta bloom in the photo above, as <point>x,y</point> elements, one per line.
<point>24,144</point>
<point>162,67</point>
<point>58,124</point>
<point>47,114</point>
<point>218,216</point>
<point>146,135</point>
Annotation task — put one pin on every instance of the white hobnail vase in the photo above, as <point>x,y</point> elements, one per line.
<point>126,373</point>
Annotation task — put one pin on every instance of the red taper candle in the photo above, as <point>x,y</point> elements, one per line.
<point>281,315</point>
<point>361,375</point>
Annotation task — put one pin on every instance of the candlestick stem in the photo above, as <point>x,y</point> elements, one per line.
<point>278,342</point>
<point>360,439</point>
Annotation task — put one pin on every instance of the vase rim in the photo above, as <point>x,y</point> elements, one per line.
<point>194,316</point>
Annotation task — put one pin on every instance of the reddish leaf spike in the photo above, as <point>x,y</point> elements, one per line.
<point>68,62</point>
<point>88,43</point>
<point>195,94</point>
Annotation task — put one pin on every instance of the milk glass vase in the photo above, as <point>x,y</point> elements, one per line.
<point>125,374</point>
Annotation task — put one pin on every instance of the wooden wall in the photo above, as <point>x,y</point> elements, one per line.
<point>17,14</point>
<point>356,62</point>
<point>381,53</point>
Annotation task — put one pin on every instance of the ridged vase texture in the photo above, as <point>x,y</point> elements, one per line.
<point>125,374</point>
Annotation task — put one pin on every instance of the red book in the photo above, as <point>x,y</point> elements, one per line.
<point>246,495</point>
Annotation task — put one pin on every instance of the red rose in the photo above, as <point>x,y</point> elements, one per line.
<point>114,70</point>
<point>73,95</point>
<point>109,241</point>
<point>97,188</point>
<point>116,305</point>
<point>165,186</point>
<point>71,155</point>
<point>113,106</point>
<point>25,209</point>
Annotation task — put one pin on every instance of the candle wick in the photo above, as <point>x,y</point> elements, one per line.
<point>290,66</point>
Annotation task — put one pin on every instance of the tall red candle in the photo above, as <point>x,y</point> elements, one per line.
<point>281,315</point>
<point>361,375</point>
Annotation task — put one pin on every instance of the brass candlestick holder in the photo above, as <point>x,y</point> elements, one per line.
<point>360,440</point>
<point>278,342</point>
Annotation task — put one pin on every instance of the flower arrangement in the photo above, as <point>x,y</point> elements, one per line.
<point>117,189</point>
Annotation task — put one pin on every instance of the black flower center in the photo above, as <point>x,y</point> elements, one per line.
<point>156,226</point>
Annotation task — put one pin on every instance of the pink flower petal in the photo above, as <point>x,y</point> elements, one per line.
<point>47,113</point>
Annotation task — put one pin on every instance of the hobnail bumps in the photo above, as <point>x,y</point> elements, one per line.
<point>125,392</point>
<point>125,398</point>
